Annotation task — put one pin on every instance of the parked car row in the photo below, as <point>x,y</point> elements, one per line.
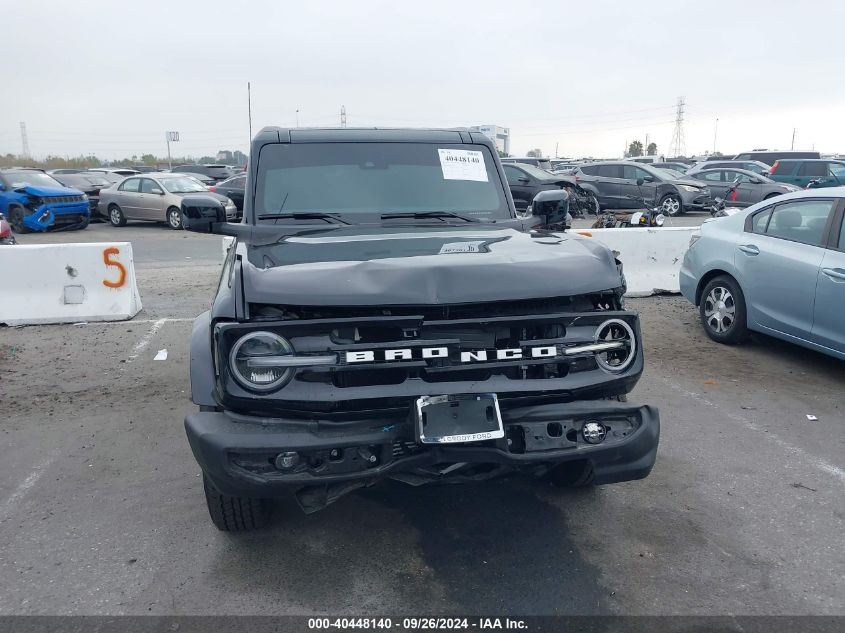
<point>35,200</point>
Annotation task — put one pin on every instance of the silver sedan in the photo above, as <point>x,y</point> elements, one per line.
<point>153,197</point>
<point>777,267</point>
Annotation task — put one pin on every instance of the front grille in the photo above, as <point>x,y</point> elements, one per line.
<point>378,383</point>
<point>62,199</point>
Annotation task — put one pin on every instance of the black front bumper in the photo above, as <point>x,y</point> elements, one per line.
<point>238,453</point>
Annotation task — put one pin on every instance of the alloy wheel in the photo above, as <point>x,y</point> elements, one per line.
<point>720,310</point>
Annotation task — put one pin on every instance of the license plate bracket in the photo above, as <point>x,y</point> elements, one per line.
<point>458,418</point>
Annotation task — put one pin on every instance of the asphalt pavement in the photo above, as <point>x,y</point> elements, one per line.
<point>102,512</point>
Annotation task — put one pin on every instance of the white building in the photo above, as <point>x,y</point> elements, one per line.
<point>501,136</point>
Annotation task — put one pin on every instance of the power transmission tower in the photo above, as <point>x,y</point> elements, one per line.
<point>342,116</point>
<point>24,141</point>
<point>678,145</point>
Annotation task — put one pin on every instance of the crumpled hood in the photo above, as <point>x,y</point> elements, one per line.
<point>49,192</point>
<point>414,266</point>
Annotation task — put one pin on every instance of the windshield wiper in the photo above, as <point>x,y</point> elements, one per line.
<point>305,215</point>
<point>427,214</point>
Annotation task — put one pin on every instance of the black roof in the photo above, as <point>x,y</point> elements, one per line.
<point>363,135</point>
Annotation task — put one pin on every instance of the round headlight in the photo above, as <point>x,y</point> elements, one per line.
<point>616,330</point>
<point>251,364</point>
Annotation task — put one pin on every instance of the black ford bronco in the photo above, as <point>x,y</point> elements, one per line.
<point>384,311</point>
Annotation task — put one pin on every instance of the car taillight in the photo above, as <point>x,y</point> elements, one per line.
<point>733,195</point>
<point>775,167</point>
<point>5,229</point>
<point>212,188</point>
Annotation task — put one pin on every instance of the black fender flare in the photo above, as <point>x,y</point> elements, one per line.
<point>202,362</point>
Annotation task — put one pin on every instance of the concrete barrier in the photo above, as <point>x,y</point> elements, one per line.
<point>67,283</point>
<point>651,257</point>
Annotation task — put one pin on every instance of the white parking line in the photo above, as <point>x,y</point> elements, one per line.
<point>798,452</point>
<point>141,345</point>
<point>8,505</point>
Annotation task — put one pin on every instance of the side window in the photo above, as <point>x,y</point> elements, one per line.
<point>513,175</point>
<point>800,221</point>
<point>814,169</point>
<point>743,157</point>
<point>590,170</point>
<point>711,176</point>
<point>130,184</point>
<point>630,172</point>
<point>239,183</point>
<point>760,221</point>
<point>731,176</point>
<point>610,171</point>
<point>148,185</point>
<point>842,236</point>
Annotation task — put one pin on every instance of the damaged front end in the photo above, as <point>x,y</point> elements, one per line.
<point>42,213</point>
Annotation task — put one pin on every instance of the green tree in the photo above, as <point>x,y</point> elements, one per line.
<point>535,153</point>
<point>635,149</point>
<point>651,150</point>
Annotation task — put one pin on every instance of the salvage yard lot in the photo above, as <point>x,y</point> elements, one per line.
<point>101,507</point>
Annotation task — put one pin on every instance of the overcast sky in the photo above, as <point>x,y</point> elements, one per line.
<point>110,77</point>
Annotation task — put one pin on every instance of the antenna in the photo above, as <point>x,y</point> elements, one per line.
<point>343,116</point>
<point>249,109</point>
<point>24,141</point>
<point>678,145</point>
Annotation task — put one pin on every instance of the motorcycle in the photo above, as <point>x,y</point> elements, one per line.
<point>6,237</point>
<point>650,217</point>
<point>720,208</point>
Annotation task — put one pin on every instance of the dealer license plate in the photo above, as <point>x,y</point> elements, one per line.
<point>458,418</point>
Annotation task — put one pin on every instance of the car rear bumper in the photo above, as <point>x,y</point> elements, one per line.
<point>239,453</point>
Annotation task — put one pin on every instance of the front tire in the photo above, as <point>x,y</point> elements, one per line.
<point>16,216</point>
<point>174,218</point>
<point>671,204</point>
<point>234,514</point>
<point>116,216</point>
<point>722,311</point>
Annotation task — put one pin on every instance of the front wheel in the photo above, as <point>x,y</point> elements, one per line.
<point>16,220</point>
<point>671,204</point>
<point>234,514</point>
<point>174,218</point>
<point>116,216</point>
<point>722,311</point>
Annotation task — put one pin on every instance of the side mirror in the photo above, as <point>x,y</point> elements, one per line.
<point>200,213</point>
<point>640,182</point>
<point>553,207</point>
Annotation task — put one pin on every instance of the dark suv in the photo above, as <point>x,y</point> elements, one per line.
<point>384,312</point>
<point>618,185</point>
<point>218,173</point>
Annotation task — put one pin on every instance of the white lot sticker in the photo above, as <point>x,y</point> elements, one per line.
<point>461,247</point>
<point>462,164</point>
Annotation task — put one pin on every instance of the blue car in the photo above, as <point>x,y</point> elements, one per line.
<point>777,267</point>
<point>34,201</point>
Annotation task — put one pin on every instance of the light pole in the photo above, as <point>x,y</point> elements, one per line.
<point>715,132</point>
<point>170,136</point>
<point>297,118</point>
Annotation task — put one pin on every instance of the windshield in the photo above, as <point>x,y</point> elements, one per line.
<point>182,184</point>
<point>369,179</point>
<point>20,179</point>
<point>669,173</point>
<point>838,172</point>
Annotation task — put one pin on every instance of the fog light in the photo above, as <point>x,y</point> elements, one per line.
<point>594,432</point>
<point>286,461</point>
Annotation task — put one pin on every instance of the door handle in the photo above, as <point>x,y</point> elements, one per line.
<point>749,249</point>
<point>837,274</point>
